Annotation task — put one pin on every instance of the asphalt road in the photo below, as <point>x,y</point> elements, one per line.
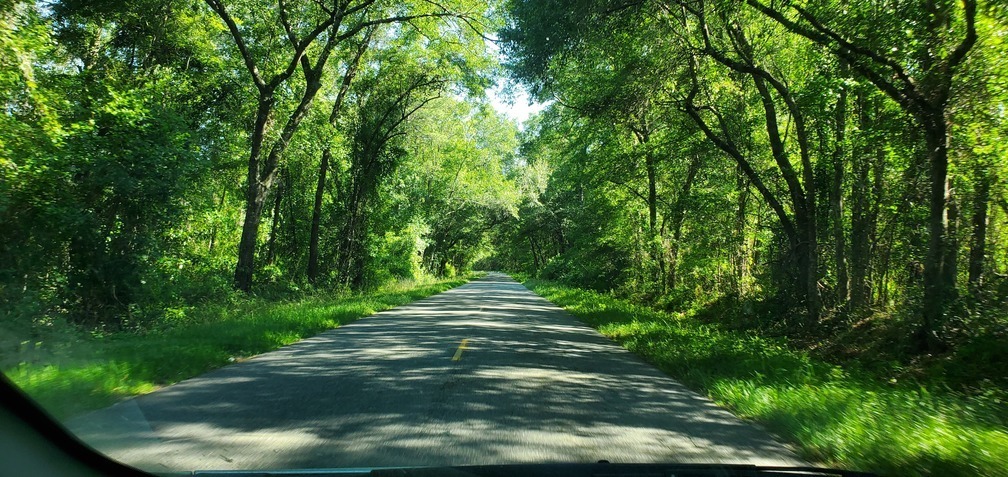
<point>531,385</point>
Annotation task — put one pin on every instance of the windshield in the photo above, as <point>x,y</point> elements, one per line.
<point>313,234</point>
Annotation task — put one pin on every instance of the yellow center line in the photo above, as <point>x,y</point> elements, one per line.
<point>461,348</point>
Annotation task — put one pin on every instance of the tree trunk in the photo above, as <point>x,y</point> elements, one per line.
<point>313,240</point>
<point>271,242</point>
<point>261,175</point>
<point>679,217</point>
<point>254,199</point>
<point>951,266</point>
<point>348,248</point>
<point>359,255</point>
<point>535,256</point>
<point>255,195</point>
<point>213,231</point>
<point>802,198</point>
<point>352,250</point>
<point>561,238</point>
<point>978,236</point>
<point>860,292</point>
<point>348,77</point>
<point>741,256</point>
<point>652,197</point>
<point>937,289</point>
<point>878,195</point>
<point>807,260</point>
<point>836,200</point>
<point>653,245</point>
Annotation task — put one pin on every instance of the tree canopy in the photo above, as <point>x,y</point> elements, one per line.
<point>841,160</point>
<point>815,153</point>
<point>144,144</point>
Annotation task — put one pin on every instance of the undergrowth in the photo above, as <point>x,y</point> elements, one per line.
<point>836,416</point>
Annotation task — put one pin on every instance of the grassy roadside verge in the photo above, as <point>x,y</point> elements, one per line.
<point>835,416</point>
<point>90,373</point>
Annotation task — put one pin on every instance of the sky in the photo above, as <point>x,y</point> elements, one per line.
<point>515,103</point>
<point>509,97</point>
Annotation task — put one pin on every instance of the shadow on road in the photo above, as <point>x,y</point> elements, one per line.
<point>533,385</point>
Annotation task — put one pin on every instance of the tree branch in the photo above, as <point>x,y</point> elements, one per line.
<point>349,75</point>
<point>250,65</point>
<point>383,21</point>
<point>693,112</point>
<point>285,21</point>
<point>907,95</point>
<point>959,54</point>
<point>299,51</point>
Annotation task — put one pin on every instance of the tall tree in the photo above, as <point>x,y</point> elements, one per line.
<point>344,87</point>
<point>312,30</point>
<point>927,43</point>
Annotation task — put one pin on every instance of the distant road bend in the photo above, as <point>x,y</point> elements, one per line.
<point>486,373</point>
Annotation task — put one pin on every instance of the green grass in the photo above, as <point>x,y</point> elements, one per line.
<point>836,417</point>
<point>93,372</point>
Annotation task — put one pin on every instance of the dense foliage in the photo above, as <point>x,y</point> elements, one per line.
<point>155,154</point>
<point>842,165</point>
